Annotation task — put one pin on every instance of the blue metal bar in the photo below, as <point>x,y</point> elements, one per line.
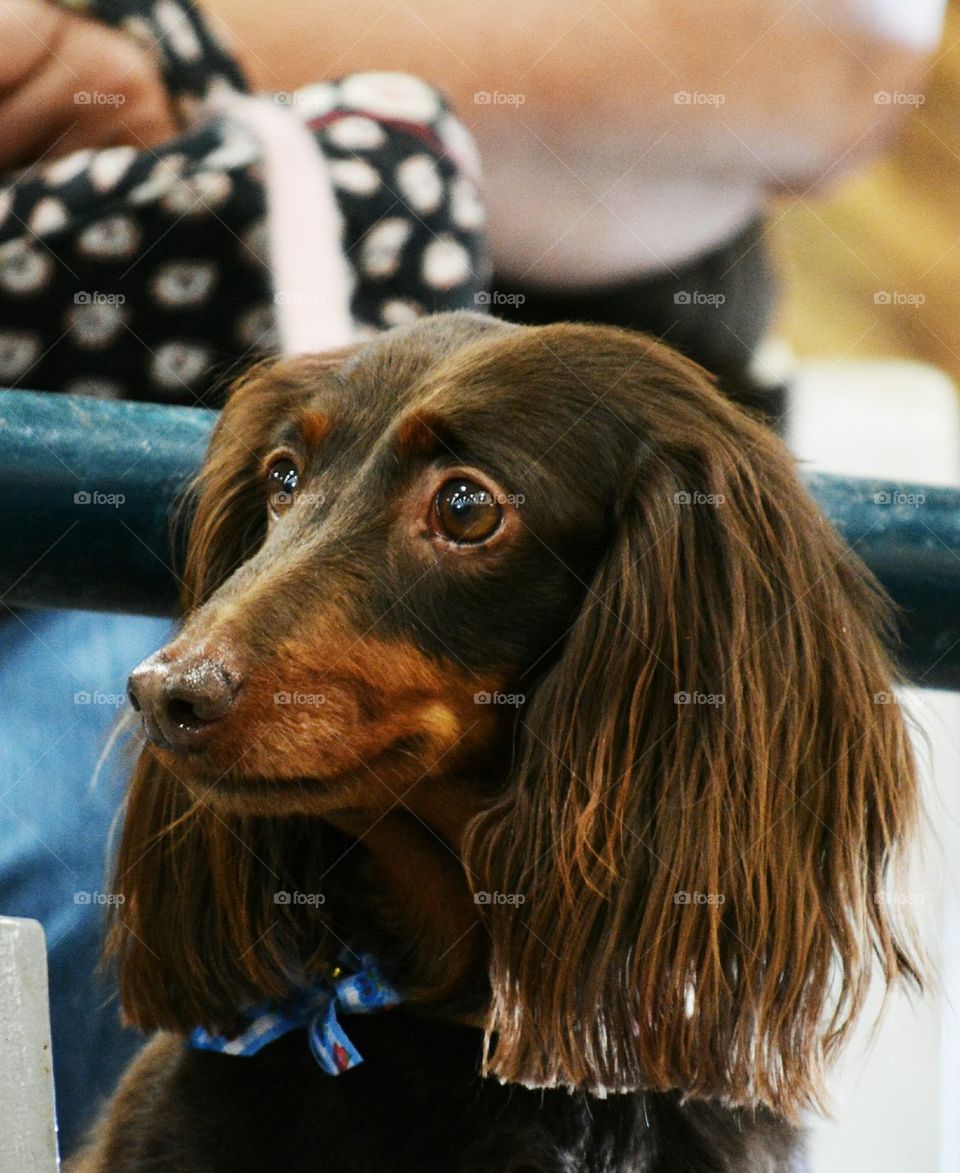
<point>86,492</point>
<point>909,536</point>
<point>87,489</point>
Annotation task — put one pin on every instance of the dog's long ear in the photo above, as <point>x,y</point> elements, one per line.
<point>711,783</point>
<point>198,934</point>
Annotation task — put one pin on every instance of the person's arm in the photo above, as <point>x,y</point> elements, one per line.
<point>595,162</point>
<point>615,64</point>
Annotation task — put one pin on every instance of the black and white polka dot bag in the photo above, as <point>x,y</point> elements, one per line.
<point>286,223</point>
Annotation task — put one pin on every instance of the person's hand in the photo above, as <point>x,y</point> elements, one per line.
<point>67,82</point>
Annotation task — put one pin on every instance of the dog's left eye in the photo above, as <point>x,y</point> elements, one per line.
<point>467,512</point>
<point>282,478</point>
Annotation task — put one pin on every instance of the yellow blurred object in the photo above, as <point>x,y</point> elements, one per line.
<point>873,270</point>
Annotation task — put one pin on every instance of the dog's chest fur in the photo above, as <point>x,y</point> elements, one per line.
<point>417,1104</point>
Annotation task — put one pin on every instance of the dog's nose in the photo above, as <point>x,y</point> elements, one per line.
<point>182,698</point>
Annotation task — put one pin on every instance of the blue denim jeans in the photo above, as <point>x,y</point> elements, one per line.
<point>62,681</point>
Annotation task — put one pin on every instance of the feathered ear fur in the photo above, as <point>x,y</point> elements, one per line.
<point>708,790</point>
<point>198,935</point>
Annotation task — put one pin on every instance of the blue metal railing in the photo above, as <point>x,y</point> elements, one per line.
<point>87,489</point>
<point>86,492</point>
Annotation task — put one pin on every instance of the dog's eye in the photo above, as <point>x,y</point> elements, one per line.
<point>467,512</point>
<point>282,477</point>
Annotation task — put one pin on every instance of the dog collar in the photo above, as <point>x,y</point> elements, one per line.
<point>315,1008</point>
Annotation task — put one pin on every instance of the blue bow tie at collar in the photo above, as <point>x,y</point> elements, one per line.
<point>364,991</point>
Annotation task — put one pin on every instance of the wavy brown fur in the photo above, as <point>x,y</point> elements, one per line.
<point>788,801</point>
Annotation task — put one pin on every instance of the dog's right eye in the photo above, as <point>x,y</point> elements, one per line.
<point>282,478</point>
<point>467,513</point>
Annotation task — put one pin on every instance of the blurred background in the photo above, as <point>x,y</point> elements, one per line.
<point>773,186</point>
<point>891,227</point>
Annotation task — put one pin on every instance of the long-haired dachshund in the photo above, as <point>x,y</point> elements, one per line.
<point>519,758</point>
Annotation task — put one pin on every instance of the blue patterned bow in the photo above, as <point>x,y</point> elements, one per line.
<point>362,992</point>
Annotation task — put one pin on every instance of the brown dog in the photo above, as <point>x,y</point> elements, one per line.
<point>527,652</point>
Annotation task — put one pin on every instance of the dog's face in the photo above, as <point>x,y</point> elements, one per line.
<point>693,811</point>
<point>420,524</point>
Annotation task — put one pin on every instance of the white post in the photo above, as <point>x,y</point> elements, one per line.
<point>28,1129</point>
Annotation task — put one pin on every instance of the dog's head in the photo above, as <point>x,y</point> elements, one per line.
<point>385,545</point>
<point>548,584</point>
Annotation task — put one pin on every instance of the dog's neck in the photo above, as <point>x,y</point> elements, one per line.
<point>418,894</point>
